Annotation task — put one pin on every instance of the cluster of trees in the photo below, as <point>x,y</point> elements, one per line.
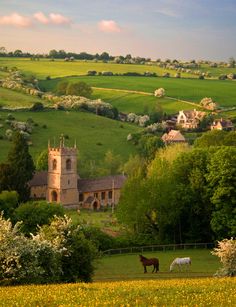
<point>77,88</point>
<point>183,195</point>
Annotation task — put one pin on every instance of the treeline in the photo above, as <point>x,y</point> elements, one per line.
<point>184,194</point>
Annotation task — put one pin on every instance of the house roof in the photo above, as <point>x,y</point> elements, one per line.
<point>225,123</point>
<point>173,136</point>
<point>103,183</point>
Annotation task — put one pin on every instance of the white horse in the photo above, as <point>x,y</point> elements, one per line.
<point>186,262</point>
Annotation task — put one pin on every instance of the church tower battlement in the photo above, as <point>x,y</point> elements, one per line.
<point>62,174</point>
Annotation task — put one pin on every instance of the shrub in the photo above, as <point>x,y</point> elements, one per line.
<point>37,106</point>
<point>226,251</point>
<point>101,240</point>
<point>160,92</point>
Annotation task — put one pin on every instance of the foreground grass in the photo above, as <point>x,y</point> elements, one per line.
<point>223,92</point>
<point>175,292</point>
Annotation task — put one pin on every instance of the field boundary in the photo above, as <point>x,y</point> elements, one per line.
<point>153,248</point>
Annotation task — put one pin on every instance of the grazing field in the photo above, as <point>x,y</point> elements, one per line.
<point>175,292</point>
<point>14,99</point>
<point>112,267</point>
<point>223,92</point>
<point>95,135</point>
<point>60,68</point>
<point>139,103</point>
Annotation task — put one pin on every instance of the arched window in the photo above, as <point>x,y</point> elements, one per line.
<point>54,196</point>
<point>68,164</point>
<point>54,164</point>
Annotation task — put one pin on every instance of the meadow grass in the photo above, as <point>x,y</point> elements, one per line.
<point>95,135</point>
<point>60,68</point>
<point>12,99</point>
<point>223,92</point>
<point>142,293</point>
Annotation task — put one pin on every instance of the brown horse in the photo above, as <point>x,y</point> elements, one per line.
<point>147,262</point>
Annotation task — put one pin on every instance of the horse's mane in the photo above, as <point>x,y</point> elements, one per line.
<point>142,257</point>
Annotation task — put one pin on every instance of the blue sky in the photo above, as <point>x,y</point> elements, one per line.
<point>181,29</point>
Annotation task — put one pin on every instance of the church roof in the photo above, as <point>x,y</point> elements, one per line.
<point>84,185</point>
<point>39,179</point>
<point>103,183</point>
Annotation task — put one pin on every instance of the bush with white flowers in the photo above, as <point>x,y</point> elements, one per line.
<point>160,92</point>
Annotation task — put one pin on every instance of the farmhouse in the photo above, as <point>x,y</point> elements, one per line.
<point>173,136</point>
<point>222,124</point>
<point>190,119</point>
<point>62,184</point>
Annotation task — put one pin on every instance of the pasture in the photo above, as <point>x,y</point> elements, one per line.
<point>128,267</point>
<point>223,92</point>
<point>14,99</point>
<point>95,135</point>
<point>60,68</point>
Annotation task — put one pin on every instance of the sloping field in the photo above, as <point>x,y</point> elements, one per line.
<point>139,103</point>
<point>9,98</point>
<point>95,135</point>
<point>223,92</point>
<point>60,68</point>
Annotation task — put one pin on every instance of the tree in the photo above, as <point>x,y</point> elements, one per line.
<point>8,203</point>
<point>226,251</point>
<point>34,214</point>
<point>42,161</point>
<point>18,170</point>
<point>148,145</point>
<point>232,62</point>
<point>112,162</point>
<point>211,138</point>
<point>79,89</point>
<point>222,188</point>
<point>61,87</point>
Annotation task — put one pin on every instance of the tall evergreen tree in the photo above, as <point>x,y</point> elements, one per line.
<point>18,170</point>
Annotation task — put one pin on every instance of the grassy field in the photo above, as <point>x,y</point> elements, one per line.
<point>9,98</point>
<point>217,71</point>
<point>113,268</point>
<point>175,292</point>
<point>95,135</point>
<point>60,68</point>
<point>223,92</point>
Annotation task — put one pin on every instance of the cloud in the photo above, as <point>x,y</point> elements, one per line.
<point>59,19</point>
<point>109,26</point>
<point>16,20</point>
<point>167,12</point>
<point>40,17</point>
<point>53,18</point>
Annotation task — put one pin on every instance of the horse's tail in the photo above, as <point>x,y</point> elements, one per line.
<point>157,265</point>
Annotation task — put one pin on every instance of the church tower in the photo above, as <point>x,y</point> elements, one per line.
<point>62,175</point>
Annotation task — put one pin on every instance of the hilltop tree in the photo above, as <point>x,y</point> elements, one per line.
<point>232,62</point>
<point>18,170</point>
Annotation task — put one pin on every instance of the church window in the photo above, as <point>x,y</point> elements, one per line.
<point>96,195</point>
<point>103,195</point>
<point>54,164</point>
<point>68,182</point>
<point>110,194</point>
<point>68,164</point>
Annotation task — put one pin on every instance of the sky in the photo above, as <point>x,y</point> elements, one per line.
<point>175,29</point>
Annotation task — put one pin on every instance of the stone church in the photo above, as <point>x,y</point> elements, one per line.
<point>61,183</point>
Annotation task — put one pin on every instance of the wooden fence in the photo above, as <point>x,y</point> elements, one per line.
<point>153,248</point>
